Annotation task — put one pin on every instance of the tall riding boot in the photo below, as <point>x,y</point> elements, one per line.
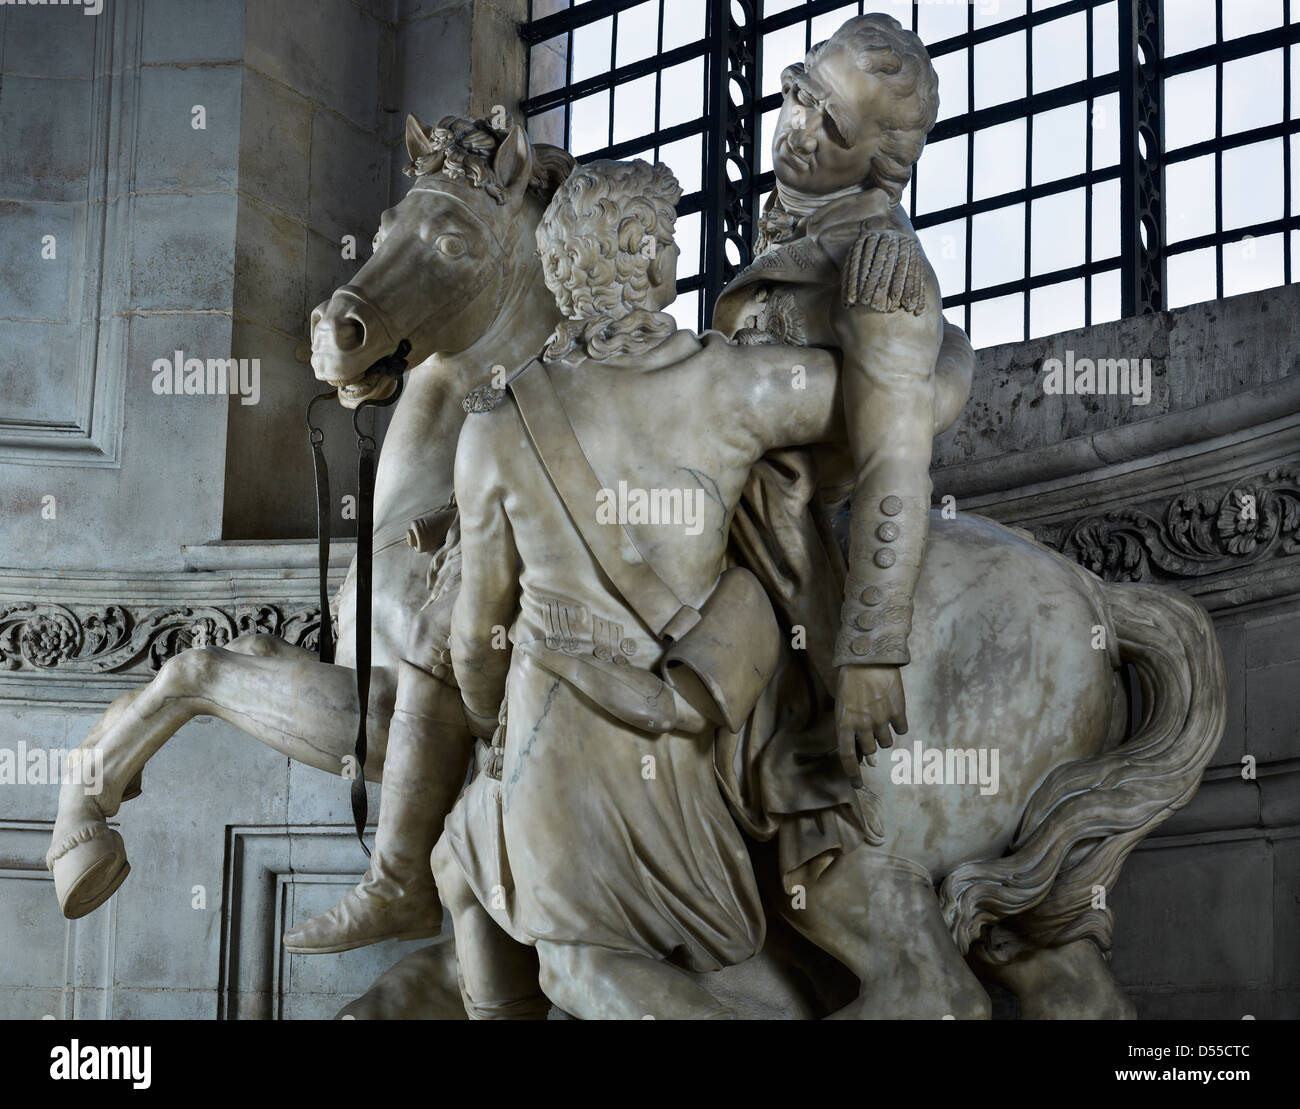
<point>879,915</point>
<point>428,753</point>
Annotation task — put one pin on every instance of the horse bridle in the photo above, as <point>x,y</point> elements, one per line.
<point>391,365</point>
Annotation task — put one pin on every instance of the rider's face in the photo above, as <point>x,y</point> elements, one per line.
<point>828,130</point>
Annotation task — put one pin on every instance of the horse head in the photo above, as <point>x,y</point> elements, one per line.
<point>446,258</point>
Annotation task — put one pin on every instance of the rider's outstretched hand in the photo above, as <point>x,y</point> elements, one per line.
<point>868,703</point>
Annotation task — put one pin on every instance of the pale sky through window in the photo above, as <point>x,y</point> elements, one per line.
<point>1006,243</point>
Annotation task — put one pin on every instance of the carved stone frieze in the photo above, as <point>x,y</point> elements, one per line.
<point>78,638</point>
<point>45,635</point>
<point>1224,527</point>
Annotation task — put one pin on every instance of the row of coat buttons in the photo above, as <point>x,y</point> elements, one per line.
<point>888,532</point>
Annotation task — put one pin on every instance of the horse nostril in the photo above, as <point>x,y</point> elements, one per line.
<point>337,328</point>
<point>350,333</point>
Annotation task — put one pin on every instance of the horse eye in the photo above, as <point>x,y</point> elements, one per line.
<point>451,245</point>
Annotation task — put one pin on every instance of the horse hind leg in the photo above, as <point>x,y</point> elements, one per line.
<point>1072,981</point>
<point>300,707</point>
<point>878,915</point>
<point>1083,820</point>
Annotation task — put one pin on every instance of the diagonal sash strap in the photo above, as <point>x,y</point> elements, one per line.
<point>613,547</point>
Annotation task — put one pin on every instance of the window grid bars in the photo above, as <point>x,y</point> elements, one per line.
<point>1217,55</point>
<point>725,205</point>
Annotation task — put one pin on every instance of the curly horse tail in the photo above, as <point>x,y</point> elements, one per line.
<point>1083,820</point>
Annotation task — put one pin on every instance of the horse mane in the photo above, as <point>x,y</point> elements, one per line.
<point>551,167</point>
<point>465,148</point>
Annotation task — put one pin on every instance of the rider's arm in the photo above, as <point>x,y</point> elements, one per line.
<point>889,325</point>
<point>888,387</point>
<point>489,588</point>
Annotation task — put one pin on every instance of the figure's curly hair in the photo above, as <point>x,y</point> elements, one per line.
<point>597,241</point>
<point>881,46</point>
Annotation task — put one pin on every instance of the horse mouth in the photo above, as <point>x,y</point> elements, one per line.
<point>371,386</point>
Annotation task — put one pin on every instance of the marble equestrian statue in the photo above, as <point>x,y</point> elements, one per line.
<point>1000,649</point>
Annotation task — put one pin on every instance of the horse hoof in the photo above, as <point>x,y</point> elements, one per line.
<point>90,872</point>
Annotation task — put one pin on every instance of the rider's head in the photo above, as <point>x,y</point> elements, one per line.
<point>608,256</point>
<point>856,110</point>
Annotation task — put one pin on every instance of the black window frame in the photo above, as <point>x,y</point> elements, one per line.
<point>734,181</point>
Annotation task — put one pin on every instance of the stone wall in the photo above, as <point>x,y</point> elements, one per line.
<point>99,152</point>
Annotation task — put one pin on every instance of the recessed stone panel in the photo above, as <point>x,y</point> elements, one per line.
<point>47,128</point>
<point>1199,916</point>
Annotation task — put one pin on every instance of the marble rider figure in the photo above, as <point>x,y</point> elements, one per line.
<point>839,266</point>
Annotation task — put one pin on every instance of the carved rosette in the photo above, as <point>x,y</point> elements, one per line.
<point>1192,535</point>
<point>43,636</point>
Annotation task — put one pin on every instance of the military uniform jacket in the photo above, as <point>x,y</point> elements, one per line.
<point>852,276</point>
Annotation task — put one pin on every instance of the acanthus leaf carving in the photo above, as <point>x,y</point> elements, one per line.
<point>46,636</point>
<point>1192,535</point>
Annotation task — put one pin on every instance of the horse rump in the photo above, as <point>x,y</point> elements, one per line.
<point>1087,815</point>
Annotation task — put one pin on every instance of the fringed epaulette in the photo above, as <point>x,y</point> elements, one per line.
<point>885,271</point>
<point>484,398</point>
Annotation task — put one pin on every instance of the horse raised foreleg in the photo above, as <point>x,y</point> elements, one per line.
<point>264,646</point>
<point>268,646</point>
<point>294,704</point>
<point>298,706</point>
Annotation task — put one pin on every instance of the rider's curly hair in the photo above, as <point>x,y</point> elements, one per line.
<point>597,241</point>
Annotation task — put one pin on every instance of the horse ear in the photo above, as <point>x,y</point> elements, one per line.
<point>417,138</point>
<point>513,163</point>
